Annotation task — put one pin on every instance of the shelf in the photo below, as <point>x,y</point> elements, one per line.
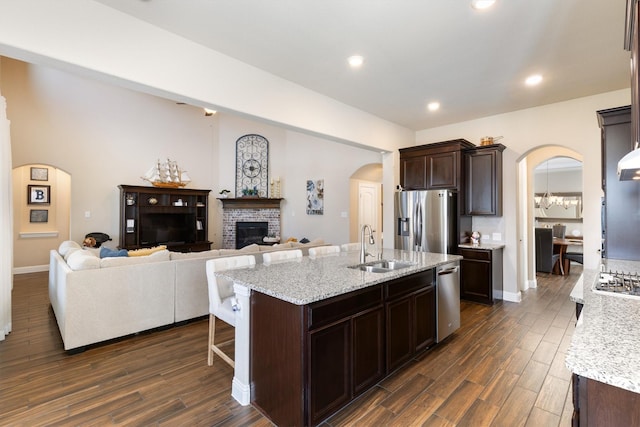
<point>250,203</point>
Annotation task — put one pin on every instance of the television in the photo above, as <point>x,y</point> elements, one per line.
<point>167,229</point>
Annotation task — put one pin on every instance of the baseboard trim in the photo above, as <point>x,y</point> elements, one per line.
<point>512,296</point>
<point>240,392</point>
<point>31,269</point>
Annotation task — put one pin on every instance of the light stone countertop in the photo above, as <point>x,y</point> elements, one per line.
<point>606,342</point>
<point>482,245</point>
<point>307,280</point>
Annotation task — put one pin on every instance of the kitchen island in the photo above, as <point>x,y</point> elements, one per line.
<point>605,353</point>
<point>322,333</point>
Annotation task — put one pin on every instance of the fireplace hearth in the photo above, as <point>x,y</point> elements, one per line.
<point>248,233</point>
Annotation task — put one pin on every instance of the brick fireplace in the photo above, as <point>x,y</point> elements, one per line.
<point>248,210</point>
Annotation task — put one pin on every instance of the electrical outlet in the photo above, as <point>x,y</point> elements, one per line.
<point>343,214</point>
<point>496,236</point>
<point>87,214</point>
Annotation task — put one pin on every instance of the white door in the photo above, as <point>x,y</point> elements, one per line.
<point>369,206</point>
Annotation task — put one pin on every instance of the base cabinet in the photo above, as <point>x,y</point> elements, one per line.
<point>598,404</point>
<point>481,275</point>
<point>307,362</point>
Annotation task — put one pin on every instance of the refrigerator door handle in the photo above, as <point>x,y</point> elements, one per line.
<point>417,225</point>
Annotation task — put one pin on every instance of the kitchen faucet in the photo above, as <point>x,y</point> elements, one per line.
<point>363,245</point>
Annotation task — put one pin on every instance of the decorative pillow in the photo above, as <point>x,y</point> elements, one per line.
<point>80,260</point>
<point>147,251</point>
<point>93,251</point>
<point>66,245</point>
<point>68,253</point>
<point>283,245</point>
<point>251,248</point>
<point>107,252</point>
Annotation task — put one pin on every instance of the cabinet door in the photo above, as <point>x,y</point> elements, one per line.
<point>413,173</point>
<point>368,349</point>
<point>443,170</point>
<point>425,318</point>
<point>399,332</point>
<point>475,280</point>
<point>483,182</point>
<point>620,197</point>
<point>330,370</point>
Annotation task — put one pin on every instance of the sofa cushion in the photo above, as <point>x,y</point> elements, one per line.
<point>83,260</point>
<point>66,245</point>
<point>213,253</point>
<point>250,248</point>
<point>118,261</point>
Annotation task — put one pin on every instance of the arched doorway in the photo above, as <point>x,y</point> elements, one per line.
<point>41,214</point>
<point>526,213</point>
<point>365,200</point>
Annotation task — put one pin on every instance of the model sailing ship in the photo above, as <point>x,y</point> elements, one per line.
<point>167,175</point>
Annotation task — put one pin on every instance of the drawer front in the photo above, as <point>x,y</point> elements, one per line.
<point>408,284</point>
<point>476,254</point>
<point>343,306</point>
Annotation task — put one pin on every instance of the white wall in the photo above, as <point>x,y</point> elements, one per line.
<point>103,136</point>
<point>572,124</point>
<point>296,157</point>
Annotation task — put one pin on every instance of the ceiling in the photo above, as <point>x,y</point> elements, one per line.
<point>472,62</point>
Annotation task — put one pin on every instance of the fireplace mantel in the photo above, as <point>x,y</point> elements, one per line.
<point>250,203</point>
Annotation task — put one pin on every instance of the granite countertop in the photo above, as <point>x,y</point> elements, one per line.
<point>307,280</point>
<point>606,342</point>
<point>482,245</point>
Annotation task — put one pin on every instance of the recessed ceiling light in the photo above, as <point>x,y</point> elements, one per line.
<point>533,80</point>
<point>355,61</point>
<point>433,106</point>
<point>482,4</point>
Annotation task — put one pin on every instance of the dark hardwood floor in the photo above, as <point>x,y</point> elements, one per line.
<point>504,367</point>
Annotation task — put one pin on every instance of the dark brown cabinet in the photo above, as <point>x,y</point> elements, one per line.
<point>410,325</point>
<point>481,275</point>
<point>309,361</point>
<point>600,404</point>
<point>619,196</point>
<point>483,174</point>
<point>151,216</point>
<point>434,166</point>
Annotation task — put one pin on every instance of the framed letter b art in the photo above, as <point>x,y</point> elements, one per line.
<point>38,194</point>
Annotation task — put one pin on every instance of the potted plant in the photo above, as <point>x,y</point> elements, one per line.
<point>224,193</point>
<point>250,192</point>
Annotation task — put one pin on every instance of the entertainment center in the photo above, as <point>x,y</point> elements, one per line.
<point>175,217</point>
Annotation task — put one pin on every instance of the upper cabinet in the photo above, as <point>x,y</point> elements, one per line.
<point>433,166</point>
<point>483,174</point>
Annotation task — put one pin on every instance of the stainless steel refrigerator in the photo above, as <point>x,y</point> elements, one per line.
<point>427,221</point>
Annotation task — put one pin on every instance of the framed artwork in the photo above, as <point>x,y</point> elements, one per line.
<point>315,197</point>
<point>38,194</point>
<point>39,174</point>
<point>39,215</point>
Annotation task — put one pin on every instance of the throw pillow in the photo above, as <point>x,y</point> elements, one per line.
<point>112,253</point>
<point>147,251</point>
<point>66,245</point>
<point>79,260</point>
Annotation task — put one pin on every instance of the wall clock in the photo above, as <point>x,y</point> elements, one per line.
<point>252,159</point>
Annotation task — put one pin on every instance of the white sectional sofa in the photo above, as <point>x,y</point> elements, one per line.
<point>97,299</point>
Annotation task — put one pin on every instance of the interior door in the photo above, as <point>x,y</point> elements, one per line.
<point>369,206</point>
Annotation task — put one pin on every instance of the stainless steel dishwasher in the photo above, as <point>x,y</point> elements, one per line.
<point>448,299</point>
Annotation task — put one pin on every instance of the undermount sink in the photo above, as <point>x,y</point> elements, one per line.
<point>382,266</point>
